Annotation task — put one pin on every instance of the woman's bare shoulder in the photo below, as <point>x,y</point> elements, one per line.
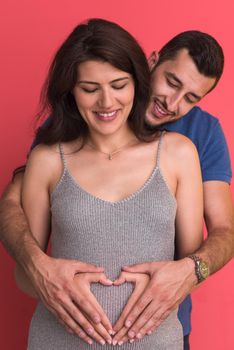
<point>44,153</point>
<point>45,160</point>
<point>178,145</point>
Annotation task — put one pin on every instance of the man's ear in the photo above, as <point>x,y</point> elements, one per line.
<point>153,60</point>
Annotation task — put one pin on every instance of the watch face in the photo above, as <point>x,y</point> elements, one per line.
<point>204,269</point>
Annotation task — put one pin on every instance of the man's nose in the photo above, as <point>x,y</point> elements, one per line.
<point>173,101</point>
<point>106,99</point>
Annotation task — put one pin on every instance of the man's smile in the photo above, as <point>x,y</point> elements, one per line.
<point>159,110</point>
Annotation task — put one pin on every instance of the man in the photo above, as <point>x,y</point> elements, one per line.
<point>188,67</point>
<point>182,75</point>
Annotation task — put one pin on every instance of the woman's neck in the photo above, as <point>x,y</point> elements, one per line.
<point>111,143</point>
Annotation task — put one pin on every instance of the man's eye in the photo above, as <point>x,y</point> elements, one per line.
<point>187,99</point>
<point>118,87</point>
<point>170,83</point>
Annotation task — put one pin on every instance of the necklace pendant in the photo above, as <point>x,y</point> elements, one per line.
<point>110,156</point>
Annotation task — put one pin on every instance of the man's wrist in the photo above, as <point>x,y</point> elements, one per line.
<point>201,268</point>
<point>33,256</point>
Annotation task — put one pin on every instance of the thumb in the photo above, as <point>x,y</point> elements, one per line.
<point>120,280</point>
<point>140,268</point>
<point>99,278</point>
<point>104,280</point>
<point>85,267</point>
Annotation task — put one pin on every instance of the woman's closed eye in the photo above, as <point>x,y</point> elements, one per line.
<point>89,90</point>
<point>115,87</point>
<point>119,87</point>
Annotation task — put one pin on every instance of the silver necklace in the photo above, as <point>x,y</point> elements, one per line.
<point>110,155</point>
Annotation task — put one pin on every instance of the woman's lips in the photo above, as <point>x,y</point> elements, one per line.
<point>106,116</point>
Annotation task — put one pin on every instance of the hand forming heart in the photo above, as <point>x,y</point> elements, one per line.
<point>99,331</point>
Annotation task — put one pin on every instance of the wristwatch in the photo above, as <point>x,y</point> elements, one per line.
<point>202,270</point>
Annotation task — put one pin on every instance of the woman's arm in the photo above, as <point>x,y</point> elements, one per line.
<point>189,197</point>
<point>73,307</point>
<point>36,205</point>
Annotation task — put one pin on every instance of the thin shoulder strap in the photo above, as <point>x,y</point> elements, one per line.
<point>62,155</point>
<point>159,149</point>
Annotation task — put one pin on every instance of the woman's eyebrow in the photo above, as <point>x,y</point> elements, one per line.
<point>95,83</point>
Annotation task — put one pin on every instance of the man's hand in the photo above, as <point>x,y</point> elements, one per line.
<point>55,282</point>
<point>170,282</point>
<point>140,281</point>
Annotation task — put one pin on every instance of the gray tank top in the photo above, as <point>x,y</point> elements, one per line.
<point>136,229</point>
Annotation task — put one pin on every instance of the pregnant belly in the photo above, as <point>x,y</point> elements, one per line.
<point>112,298</point>
<point>46,332</point>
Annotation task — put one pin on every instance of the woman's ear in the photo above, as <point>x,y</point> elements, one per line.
<point>153,60</point>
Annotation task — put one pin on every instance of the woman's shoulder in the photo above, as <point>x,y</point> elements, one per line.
<point>44,158</point>
<point>180,154</point>
<point>44,165</point>
<point>46,154</point>
<point>179,151</point>
<point>43,150</point>
<point>179,145</point>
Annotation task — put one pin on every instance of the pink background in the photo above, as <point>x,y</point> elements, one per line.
<point>31,31</point>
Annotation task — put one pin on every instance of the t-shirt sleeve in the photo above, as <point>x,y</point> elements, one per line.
<point>215,160</point>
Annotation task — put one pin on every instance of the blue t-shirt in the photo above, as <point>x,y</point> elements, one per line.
<point>206,133</point>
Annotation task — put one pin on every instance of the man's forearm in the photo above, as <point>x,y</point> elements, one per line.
<point>218,248</point>
<point>15,234</point>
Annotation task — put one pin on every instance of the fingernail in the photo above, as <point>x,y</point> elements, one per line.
<point>149,332</point>
<point>89,330</point>
<point>120,343</point>
<point>131,334</point>
<point>139,336</point>
<point>128,323</point>
<point>109,341</point>
<point>131,341</point>
<point>114,342</point>
<point>90,342</point>
<point>81,334</point>
<point>111,332</point>
<point>102,342</point>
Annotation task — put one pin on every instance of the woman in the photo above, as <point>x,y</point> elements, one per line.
<point>87,179</point>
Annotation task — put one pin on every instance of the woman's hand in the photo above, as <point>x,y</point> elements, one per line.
<point>141,281</point>
<point>87,328</point>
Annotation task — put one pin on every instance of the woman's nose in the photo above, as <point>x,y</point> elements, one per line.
<point>106,99</point>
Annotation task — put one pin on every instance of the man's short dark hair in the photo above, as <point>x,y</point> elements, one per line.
<point>205,51</point>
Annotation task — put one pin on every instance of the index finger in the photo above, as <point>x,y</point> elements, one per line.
<point>138,308</point>
<point>134,297</point>
<point>86,267</point>
<point>86,306</point>
<point>104,319</point>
